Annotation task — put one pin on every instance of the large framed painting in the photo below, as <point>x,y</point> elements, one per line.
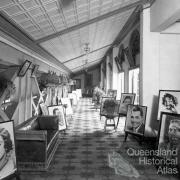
<point>8,165</point>
<point>59,111</point>
<point>169,136</point>
<point>126,99</point>
<point>169,101</point>
<point>136,119</point>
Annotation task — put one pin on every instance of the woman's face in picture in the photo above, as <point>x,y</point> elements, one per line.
<point>2,150</point>
<point>127,101</point>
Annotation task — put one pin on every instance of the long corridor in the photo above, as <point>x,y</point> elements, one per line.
<point>84,148</point>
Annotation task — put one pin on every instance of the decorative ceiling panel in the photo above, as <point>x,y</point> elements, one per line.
<point>40,19</point>
<point>69,48</point>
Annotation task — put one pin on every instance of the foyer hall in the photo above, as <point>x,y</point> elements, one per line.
<point>84,147</point>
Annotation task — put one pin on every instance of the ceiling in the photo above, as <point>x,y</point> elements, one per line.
<point>61,28</point>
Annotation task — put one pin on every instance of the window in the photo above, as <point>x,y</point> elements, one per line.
<point>134,83</point>
<point>120,84</point>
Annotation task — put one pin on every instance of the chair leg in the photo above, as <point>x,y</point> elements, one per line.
<point>114,123</point>
<point>105,123</point>
<point>117,122</point>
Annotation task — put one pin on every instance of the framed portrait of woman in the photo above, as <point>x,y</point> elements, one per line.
<point>126,99</point>
<point>59,111</point>
<point>8,165</point>
<point>169,101</point>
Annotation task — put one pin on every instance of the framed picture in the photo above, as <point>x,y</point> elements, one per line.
<point>169,135</point>
<point>136,119</point>
<point>59,111</point>
<point>126,98</point>
<point>118,64</point>
<point>34,69</point>
<point>169,101</point>
<point>23,69</point>
<point>8,165</point>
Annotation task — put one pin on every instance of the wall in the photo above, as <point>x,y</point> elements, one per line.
<point>125,65</point>
<point>160,62</point>
<point>164,13</point>
<point>149,72</point>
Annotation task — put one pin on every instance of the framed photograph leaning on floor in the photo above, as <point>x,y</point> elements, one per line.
<point>136,119</point>
<point>59,111</point>
<point>169,133</point>
<point>169,101</point>
<point>8,165</point>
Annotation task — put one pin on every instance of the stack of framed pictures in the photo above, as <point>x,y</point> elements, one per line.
<point>168,141</point>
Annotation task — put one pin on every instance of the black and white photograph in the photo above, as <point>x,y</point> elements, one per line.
<point>126,99</point>
<point>8,164</point>
<point>136,119</point>
<point>60,112</point>
<point>169,101</point>
<point>91,78</point>
<point>169,134</point>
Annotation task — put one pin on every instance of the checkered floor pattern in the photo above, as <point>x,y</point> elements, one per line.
<point>84,147</point>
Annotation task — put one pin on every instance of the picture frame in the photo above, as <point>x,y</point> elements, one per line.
<point>34,70</point>
<point>59,111</point>
<point>169,101</point>
<point>168,141</point>
<point>23,69</point>
<point>136,119</point>
<point>129,57</point>
<point>8,161</point>
<point>118,64</point>
<point>126,99</point>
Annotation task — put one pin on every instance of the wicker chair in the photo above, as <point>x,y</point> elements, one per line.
<point>110,112</point>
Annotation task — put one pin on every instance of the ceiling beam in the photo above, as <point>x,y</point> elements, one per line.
<point>88,53</point>
<point>91,21</point>
<point>14,32</point>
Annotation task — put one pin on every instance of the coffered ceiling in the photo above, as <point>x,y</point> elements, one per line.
<point>61,28</point>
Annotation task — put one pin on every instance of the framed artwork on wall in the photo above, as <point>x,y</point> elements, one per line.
<point>169,101</point>
<point>118,64</point>
<point>126,99</point>
<point>34,69</point>
<point>8,164</point>
<point>23,69</point>
<point>136,119</point>
<point>59,111</point>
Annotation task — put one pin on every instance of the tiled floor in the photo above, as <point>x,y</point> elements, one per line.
<point>83,151</point>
